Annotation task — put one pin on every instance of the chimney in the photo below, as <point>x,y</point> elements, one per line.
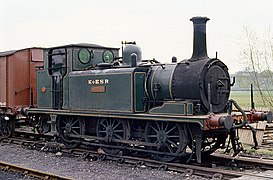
<point>199,38</point>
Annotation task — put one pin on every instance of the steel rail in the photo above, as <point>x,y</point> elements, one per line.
<point>31,172</point>
<point>242,160</point>
<point>186,169</point>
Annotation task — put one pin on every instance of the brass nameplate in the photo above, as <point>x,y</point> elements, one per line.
<point>98,89</point>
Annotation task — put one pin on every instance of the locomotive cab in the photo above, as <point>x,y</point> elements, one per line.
<point>53,84</point>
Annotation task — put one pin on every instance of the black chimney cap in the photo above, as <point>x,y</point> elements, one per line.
<point>199,19</point>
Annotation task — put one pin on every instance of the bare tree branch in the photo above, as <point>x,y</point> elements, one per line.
<point>257,51</point>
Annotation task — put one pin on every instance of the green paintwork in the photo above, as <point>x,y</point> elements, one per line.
<point>170,108</point>
<point>190,109</point>
<point>66,78</point>
<point>139,91</point>
<point>44,98</point>
<point>116,90</point>
<point>96,57</point>
<point>73,64</point>
<point>175,108</point>
<point>117,95</point>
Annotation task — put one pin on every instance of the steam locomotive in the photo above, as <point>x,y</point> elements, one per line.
<point>86,93</point>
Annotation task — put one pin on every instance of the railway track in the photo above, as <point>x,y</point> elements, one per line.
<point>187,170</point>
<point>243,161</point>
<point>31,172</point>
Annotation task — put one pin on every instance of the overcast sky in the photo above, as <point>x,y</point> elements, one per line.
<point>161,28</point>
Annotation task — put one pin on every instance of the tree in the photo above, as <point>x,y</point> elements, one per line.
<point>257,52</point>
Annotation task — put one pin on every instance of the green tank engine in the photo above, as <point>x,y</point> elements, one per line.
<point>88,91</point>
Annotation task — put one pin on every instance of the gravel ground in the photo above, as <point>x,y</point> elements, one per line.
<point>13,176</point>
<point>77,168</point>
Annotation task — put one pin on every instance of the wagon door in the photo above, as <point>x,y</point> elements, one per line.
<point>57,63</point>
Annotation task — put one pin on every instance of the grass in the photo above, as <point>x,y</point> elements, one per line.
<point>247,149</point>
<point>262,151</point>
<point>243,99</point>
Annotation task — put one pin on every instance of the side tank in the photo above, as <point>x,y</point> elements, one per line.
<point>199,78</point>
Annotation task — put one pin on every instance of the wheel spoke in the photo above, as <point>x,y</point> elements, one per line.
<point>117,131</point>
<point>117,125</point>
<point>171,129</point>
<point>152,136</point>
<point>74,132</point>
<point>75,122</point>
<point>105,120</point>
<point>64,121</point>
<point>169,148</point>
<point>101,123</point>
<point>166,127</point>
<point>154,129</point>
<point>118,136</point>
<point>172,143</point>
<point>69,120</point>
<point>113,123</point>
<point>157,125</point>
<point>162,125</point>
